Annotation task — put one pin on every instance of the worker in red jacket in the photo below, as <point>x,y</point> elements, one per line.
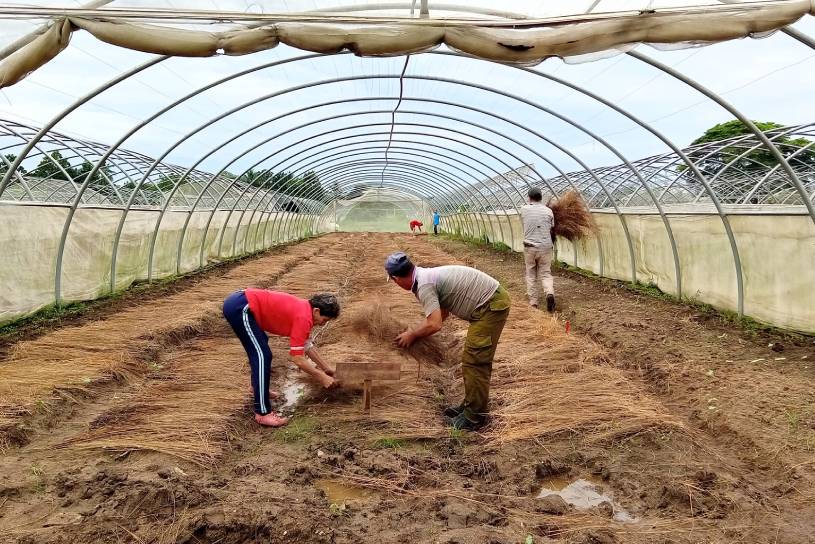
<point>416,224</point>
<point>250,312</point>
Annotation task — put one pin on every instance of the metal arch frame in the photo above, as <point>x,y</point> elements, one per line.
<point>429,156</point>
<point>565,120</point>
<point>763,179</point>
<point>154,61</point>
<point>345,115</point>
<point>259,188</point>
<point>691,165</point>
<point>429,135</point>
<point>432,156</point>
<point>601,140</point>
<point>73,106</point>
<point>217,118</point>
<point>740,116</point>
<point>426,173</point>
<point>405,99</point>
<point>442,198</point>
<point>770,146</point>
<point>347,128</point>
<point>392,77</point>
<point>257,191</point>
<point>782,161</point>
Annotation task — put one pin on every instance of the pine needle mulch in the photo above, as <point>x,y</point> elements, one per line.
<point>191,410</point>
<point>573,220</point>
<point>545,383</point>
<point>69,363</point>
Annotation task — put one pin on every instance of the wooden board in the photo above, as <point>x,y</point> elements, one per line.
<point>352,373</point>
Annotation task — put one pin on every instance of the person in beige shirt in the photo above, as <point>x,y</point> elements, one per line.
<point>538,222</point>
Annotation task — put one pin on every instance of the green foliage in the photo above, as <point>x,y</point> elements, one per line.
<point>389,443</point>
<point>7,161</point>
<point>45,316</point>
<point>501,247</point>
<point>298,428</point>
<point>55,166</point>
<point>307,185</point>
<point>38,476</point>
<point>758,159</point>
<point>338,510</point>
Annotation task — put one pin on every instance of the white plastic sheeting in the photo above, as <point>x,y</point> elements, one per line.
<point>29,254</point>
<point>775,246</point>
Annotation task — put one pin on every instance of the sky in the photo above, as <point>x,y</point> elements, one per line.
<point>769,79</point>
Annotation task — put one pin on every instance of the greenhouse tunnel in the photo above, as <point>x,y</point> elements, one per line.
<point>161,145</point>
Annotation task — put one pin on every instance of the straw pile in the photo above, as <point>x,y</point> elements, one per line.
<point>190,415</point>
<point>69,364</point>
<point>376,320</point>
<point>193,410</point>
<point>573,220</point>
<point>561,384</point>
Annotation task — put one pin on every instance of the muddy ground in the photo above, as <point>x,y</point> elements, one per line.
<point>650,422</point>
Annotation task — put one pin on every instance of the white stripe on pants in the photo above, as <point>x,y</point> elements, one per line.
<point>261,362</point>
<point>538,269</point>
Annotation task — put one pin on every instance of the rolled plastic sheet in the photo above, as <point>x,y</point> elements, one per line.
<point>525,42</point>
<point>363,40</point>
<point>36,53</point>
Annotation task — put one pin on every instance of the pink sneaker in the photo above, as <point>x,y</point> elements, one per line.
<point>271,420</point>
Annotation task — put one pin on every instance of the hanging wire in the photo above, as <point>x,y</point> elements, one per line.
<point>393,118</point>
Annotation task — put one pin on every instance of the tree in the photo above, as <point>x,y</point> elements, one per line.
<point>759,159</point>
<point>7,161</point>
<point>54,166</point>
<point>99,182</point>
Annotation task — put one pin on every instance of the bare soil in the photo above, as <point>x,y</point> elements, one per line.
<point>713,439</point>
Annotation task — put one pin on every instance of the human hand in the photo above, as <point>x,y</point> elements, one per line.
<point>405,339</point>
<point>328,382</point>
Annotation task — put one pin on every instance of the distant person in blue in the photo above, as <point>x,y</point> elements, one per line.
<point>436,222</point>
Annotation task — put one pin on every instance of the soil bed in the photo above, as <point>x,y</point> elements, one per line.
<point>679,428</point>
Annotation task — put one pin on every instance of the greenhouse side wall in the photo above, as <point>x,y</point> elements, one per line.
<point>777,252</point>
<point>27,279</point>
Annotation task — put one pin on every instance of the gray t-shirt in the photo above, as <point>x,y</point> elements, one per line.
<point>458,289</point>
<point>538,219</point>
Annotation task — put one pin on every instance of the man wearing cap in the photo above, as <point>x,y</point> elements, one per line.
<point>250,312</point>
<point>468,294</point>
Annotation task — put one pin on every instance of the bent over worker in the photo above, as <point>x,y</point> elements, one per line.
<point>250,312</point>
<point>416,224</point>
<point>538,221</point>
<point>468,294</point>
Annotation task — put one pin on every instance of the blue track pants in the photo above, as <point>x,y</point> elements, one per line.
<point>256,344</point>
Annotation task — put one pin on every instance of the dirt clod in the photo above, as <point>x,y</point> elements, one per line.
<point>552,504</point>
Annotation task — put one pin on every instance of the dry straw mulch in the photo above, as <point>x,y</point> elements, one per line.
<point>69,363</point>
<point>573,220</point>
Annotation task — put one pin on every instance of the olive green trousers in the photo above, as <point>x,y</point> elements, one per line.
<point>486,324</point>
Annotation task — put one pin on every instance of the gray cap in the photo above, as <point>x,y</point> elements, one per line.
<point>398,264</point>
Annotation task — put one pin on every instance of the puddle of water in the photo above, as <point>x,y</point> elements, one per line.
<point>292,393</point>
<point>583,494</point>
<point>338,493</point>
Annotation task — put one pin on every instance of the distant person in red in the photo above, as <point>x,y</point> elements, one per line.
<point>250,312</point>
<point>416,224</point>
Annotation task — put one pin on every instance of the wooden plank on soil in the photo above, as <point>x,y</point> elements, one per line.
<point>350,372</point>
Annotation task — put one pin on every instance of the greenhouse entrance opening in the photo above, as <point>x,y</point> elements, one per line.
<point>378,210</point>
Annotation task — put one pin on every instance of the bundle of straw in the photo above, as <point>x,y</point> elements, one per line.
<point>377,322</point>
<point>573,220</point>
